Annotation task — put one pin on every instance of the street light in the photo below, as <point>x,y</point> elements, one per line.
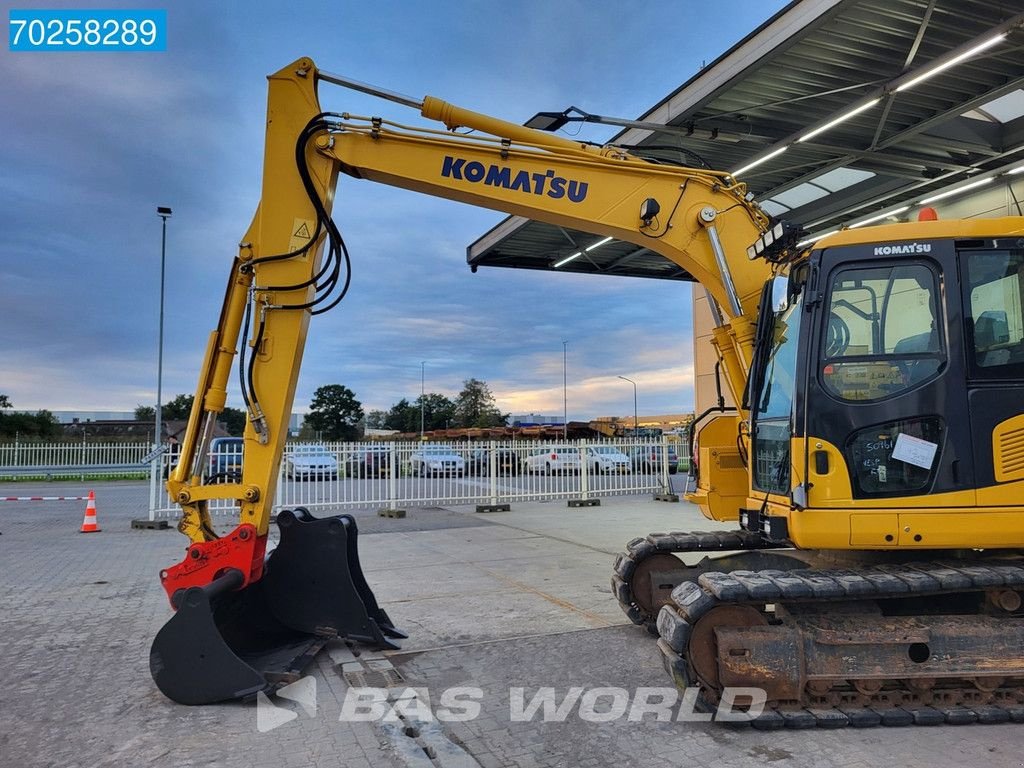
<point>422,364</point>
<point>565,397</point>
<point>164,213</point>
<point>635,427</point>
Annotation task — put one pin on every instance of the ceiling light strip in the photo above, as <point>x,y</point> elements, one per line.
<point>880,216</point>
<point>952,62</point>
<point>815,238</point>
<point>758,162</point>
<point>957,191</point>
<point>841,119</point>
<point>566,260</point>
<point>576,255</point>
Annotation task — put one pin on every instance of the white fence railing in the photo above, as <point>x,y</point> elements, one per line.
<point>51,460</point>
<point>398,474</point>
<point>388,475</point>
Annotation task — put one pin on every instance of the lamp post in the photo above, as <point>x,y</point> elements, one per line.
<point>635,428</point>
<point>565,397</point>
<point>164,213</point>
<point>422,369</point>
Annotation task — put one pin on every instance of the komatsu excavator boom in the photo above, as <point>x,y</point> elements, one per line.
<point>873,464</point>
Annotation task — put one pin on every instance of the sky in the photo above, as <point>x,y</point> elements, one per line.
<point>92,143</point>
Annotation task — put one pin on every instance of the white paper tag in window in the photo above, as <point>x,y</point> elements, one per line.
<point>914,450</point>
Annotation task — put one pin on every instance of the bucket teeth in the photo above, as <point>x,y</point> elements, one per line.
<point>224,643</point>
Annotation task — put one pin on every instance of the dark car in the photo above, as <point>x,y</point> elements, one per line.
<point>371,461</point>
<point>478,461</point>
<point>647,458</point>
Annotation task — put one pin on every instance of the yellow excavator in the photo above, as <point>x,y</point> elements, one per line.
<point>874,467</point>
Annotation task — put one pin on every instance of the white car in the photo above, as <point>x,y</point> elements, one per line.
<point>552,459</point>
<point>310,462</point>
<point>607,459</point>
<point>436,460</point>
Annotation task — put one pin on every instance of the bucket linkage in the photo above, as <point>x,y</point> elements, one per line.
<point>224,643</point>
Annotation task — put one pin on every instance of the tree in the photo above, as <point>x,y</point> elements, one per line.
<point>376,419</point>
<point>438,411</point>
<point>48,424</point>
<point>232,419</point>
<point>335,413</point>
<point>475,407</point>
<point>39,424</point>
<point>145,413</point>
<point>178,408</point>
<point>403,417</point>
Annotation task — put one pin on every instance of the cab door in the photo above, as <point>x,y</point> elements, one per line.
<point>885,382</point>
<point>992,276</point>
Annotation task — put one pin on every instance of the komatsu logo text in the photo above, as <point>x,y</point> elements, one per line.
<point>547,183</point>
<point>902,249</point>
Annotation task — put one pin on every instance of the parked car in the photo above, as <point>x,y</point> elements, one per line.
<point>478,461</point>
<point>551,459</point>
<point>310,462</point>
<point>225,460</point>
<point>369,461</point>
<point>647,458</point>
<point>607,459</point>
<point>436,460</point>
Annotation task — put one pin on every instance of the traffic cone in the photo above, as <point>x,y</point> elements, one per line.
<point>89,524</point>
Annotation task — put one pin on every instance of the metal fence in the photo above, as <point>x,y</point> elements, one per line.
<point>387,475</point>
<point>398,474</point>
<point>31,460</point>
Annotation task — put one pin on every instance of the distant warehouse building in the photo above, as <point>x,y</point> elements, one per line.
<point>535,420</point>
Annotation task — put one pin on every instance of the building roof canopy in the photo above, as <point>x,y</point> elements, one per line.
<point>878,105</point>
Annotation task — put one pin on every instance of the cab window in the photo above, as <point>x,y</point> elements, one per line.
<point>882,332</point>
<point>995,320</point>
<point>773,407</point>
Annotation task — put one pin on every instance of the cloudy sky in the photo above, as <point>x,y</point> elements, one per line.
<point>93,142</point>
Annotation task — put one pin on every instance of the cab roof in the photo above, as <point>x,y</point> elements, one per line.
<point>1006,226</point>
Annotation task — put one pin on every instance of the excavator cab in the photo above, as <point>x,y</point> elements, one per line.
<point>228,643</point>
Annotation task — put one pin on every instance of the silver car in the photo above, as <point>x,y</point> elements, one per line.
<point>606,459</point>
<point>436,460</point>
<point>551,459</point>
<point>310,462</point>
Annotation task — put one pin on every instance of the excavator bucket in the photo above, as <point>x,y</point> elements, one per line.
<point>224,643</point>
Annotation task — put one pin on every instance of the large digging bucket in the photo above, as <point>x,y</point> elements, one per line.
<point>223,643</point>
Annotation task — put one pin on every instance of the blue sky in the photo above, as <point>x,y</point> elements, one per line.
<point>93,142</point>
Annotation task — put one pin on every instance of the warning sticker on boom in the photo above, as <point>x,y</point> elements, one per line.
<point>302,231</point>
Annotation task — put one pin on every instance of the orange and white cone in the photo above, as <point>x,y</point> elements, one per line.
<point>89,524</point>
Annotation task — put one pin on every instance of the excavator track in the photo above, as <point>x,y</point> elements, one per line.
<point>919,643</point>
<point>647,572</point>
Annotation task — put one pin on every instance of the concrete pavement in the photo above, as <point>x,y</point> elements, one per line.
<point>505,607</point>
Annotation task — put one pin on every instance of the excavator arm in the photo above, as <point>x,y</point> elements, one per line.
<point>292,263</point>
<point>699,219</point>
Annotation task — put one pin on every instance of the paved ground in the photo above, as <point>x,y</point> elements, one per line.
<point>493,603</point>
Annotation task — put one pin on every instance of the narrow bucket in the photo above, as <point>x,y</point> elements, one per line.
<point>224,643</point>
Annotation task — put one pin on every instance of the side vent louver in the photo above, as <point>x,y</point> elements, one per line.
<point>1008,450</point>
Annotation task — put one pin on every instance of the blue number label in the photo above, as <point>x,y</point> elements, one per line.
<point>87,30</point>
